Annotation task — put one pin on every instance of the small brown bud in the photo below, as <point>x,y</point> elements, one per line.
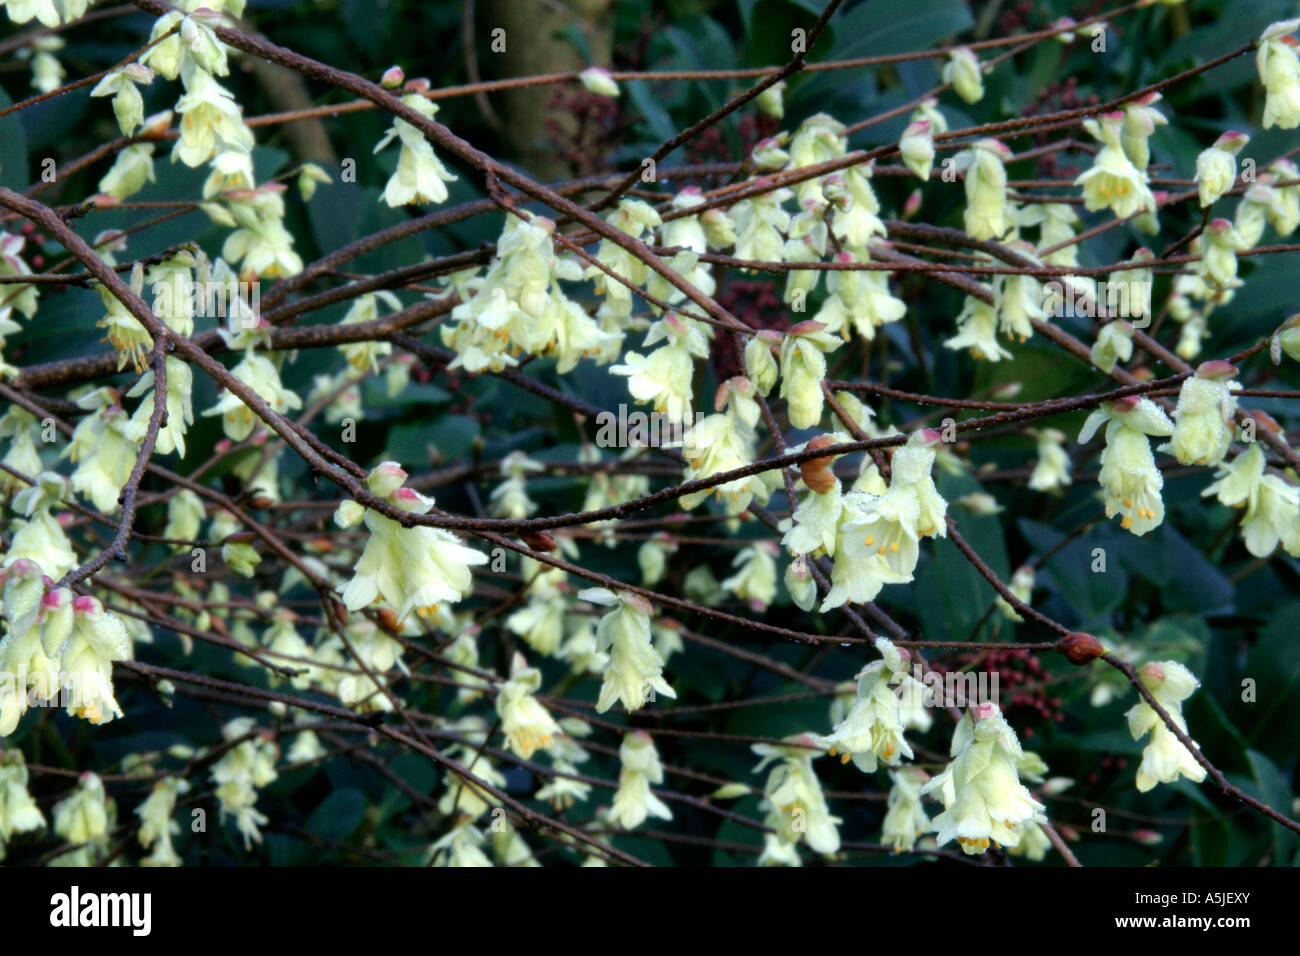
<point>538,540</point>
<point>388,620</point>
<point>817,473</point>
<point>1265,419</point>
<point>1080,648</point>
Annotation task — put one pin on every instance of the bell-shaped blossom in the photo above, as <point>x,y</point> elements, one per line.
<point>634,674</point>
<point>984,801</point>
<point>18,811</point>
<point>633,217</point>
<point>1018,298</point>
<point>1114,344</point>
<point>525,722</point>
<point>1204,414</point>
<point>1216,167</point>
<point>261,375</point>
<point>905,817</point>
<point>98,639</point>
<point>963,71</point>
<point>917,147</point>
<point>987,211</point>
<point>1113,181</point>
<point>792,797</point>
<point>132,168</point>
<point>1164,759</point>
<point>663,378</point>
<point>1140,121</point>
<point>1129,476</point>
<point>760,223</point>
<point>420,176</point>
<point>38,536</point>
<point>1271,505</point>
<point>819,139</point>
<point>1052,469</point>
<point>1220,243</point>
<point>262,243</point>
<point>803,366</point>
<point>243,770</point>
<point>1279,71</point>
<point>210,121</point>
<point>156,824</point>
<point>410,569</point>
<point>128,104</point>
<point>977,328</point>
<point>639,769</point>
<point>859,299</point>
<point>872,730</point>
<point>103,453</point>
<point>84,819</point>
<point>755,577</point>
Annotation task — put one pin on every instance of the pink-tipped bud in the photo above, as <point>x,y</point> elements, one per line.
<point>808,327</point>
<point>386,478</point>
<point>984,710</point>
<point>1216,368</point>
<point>24,568</point>
<point>1231,141</point>
<point>1152,673</point>
<point>55,599</point>
<point>1001,148</point>
<point>912,205</point>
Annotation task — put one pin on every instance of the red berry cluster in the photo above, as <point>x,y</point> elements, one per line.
<point>1016,17</point>
<point>756,303</point>
<point>1021,675</point>
<point>1109,765</point>
<point>34,241</point>
<point>583,129</point>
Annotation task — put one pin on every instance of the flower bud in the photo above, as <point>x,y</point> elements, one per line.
<point>963,72</point>
<point>1080,648</point>
<point>349,514</point>
<point>538,540</point>
<point>817,473</point>
<point>598,81</point>
<point>772,101</point>
<point>386,478</point>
